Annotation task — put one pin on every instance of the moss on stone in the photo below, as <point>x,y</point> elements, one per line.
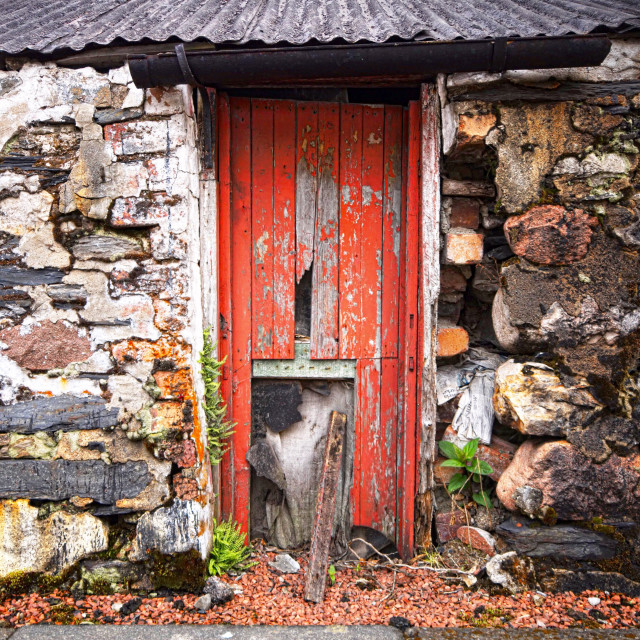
<point>182,571</point>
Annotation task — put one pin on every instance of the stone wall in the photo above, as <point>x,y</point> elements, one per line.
<point>541,240</point>
<point>102,453</point>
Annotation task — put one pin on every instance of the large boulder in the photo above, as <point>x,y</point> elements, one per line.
<point>570,483</point>
<point>550,234</point>
<point>531,398</point>
<point>587,312</point>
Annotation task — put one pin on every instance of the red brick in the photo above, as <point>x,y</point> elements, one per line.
<point>473,129</point>
<point>465,212</point>
<point>551,234</point>
<point>447,524</point>
<point>478,538</point>
<point>442,474</point>
<point>452,341</point>
<point>452,280</point>
<point>498,454</point>
<point>463,248</point>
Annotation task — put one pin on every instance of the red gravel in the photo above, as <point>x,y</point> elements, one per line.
<point>267,597</point>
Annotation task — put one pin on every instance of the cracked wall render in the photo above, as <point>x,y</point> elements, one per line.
<point>100,320</point>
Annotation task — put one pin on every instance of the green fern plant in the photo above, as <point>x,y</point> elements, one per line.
<point>229,549</point>
<point>219,429</point>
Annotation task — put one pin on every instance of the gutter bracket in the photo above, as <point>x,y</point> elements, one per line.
<point>499,57</point>
<point>207,119</point>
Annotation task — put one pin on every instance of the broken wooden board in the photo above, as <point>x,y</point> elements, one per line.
<point>303,367</point>
<point>325,506</point>
<point>58,413</point>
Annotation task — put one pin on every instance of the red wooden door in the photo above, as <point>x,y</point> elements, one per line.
<point>332,188</point>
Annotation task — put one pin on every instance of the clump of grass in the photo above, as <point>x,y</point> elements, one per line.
<point>229,550</point>
<point>219,429</point>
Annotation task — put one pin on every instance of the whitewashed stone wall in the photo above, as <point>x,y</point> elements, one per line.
<point>100,320</point>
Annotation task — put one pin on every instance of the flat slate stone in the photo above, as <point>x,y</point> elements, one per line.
<point>58,413</point>
<point>63,479</point>
<point>559,541</point>
<point>109,116</point>
<point>13,276</point>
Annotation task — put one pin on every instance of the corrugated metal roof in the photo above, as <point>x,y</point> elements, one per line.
<point>47,25</point>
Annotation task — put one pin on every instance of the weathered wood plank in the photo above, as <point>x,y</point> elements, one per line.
<point>391,224</point>
<point>223,470</point>
<point>325,506</point>
<point>349,298</point>
<point>63,479</point>
<point>306,184</point>
<point>467,188</point>
<point>262,228</point>
<point>408,419</point>
<point>385,501</point>
<point>369,454</point>
<point>58,413</point>
<point>284,229</point>
<point>302,366</point>
<point>429,290</point>
<point>324,296</point>
<point>241,306</point>
<point>371,231</point>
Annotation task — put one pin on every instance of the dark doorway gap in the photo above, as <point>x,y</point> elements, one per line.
<point>357,95</point>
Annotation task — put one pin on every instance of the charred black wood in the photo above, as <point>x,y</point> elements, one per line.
<point>63,479</point>
<point>57,413</point>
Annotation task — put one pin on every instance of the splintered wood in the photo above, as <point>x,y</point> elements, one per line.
<point>325,507</point>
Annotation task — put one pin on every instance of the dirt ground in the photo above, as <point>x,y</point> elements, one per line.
<point>365,594</point>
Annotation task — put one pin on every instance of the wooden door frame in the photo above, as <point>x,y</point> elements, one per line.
<point>416,500</point>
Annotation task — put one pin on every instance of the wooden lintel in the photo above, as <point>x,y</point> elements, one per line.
<point>325,507</point>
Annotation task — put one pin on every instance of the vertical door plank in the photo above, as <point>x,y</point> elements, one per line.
<point>324,295</point>
<point>241,305</point>
<point>371,231</point>
<point>369,476</point>
<point>284,229</point>
<point>407,468</point>
<point>402,526</point>
<point>224,283</point>
<point>429,290</point>
<point>306,184</point>
<point>349,297</point>
<point>392,216</point>
<point>388,471</point>
<point>262,228</point>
